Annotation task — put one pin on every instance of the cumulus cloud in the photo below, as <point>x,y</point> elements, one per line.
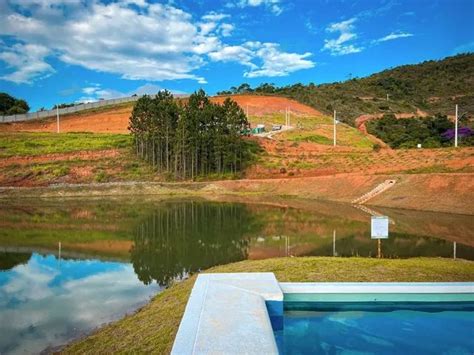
<point>273,5</point>
<point>137,40</point>
<point>341,45</point>
<point>95,92</point>
<point>27,62</point>
<point>392,36</point>
<point>156,42</point>
<point>272,61</point>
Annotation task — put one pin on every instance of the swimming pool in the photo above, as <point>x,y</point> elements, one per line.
<point>253,313</point>
<point>381,328</point>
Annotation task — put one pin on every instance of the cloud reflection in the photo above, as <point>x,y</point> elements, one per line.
<point>47,302</point>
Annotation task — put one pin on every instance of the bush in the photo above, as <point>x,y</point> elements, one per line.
<point>376,147</point>
<point>430,132</point>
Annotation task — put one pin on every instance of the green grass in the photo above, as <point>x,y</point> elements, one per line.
<point>153,328</point>
<point>308,137</point>
<point>31,144</point>
<point>306,122</point>
<point>322,134</point>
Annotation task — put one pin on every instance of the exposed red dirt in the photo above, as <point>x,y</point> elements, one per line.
<point>113,121</point>
<point>116,120</point>
<point>267,105</point>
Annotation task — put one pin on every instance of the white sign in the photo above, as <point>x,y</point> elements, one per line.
<point>379,227</point>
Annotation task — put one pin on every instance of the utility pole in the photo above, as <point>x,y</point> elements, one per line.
<point>335,121</point>
<point>334,243</point>
<point>289,114</point>
<point>456,128</point>
<point>387,96</point>
<point>57,118</point>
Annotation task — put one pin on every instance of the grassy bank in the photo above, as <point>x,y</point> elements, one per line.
<point>153,328</point>
<point>34,144</point>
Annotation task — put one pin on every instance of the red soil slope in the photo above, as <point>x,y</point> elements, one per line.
<point>115,120</point>
<point>267,105</point>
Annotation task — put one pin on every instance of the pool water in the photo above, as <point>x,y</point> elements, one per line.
<point>381,328</point>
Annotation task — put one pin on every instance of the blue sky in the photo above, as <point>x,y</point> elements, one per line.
<point>67,51</point>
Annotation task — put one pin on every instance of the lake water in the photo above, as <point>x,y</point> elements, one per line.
<point>69,266</point>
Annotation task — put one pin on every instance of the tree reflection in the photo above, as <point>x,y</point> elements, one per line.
<point>10,260</point>
<point>185,237</point>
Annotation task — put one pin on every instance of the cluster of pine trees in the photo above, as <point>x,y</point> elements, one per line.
<point>191,139</point>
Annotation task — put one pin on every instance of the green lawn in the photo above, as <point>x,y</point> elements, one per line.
<point>323,134</point>
<point>153,328</point>
<point>30,144</point>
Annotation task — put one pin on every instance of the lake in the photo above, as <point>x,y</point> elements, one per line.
<point>69,266</point>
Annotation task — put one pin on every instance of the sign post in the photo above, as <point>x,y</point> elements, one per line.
<point>379,230</point>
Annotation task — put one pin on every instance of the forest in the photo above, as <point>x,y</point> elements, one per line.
<point>430,132</point>
<point>192,138</point>
<point>434,86</point>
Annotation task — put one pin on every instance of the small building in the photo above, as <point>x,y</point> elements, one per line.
<point>259,129</point>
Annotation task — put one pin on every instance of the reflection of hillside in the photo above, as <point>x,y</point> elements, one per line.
<point>397,246</point>
<point>9,261</point>
<point>100,228</point>
<point>108,229</point>
<point>289,231</point>
<point>184,237</point>
<point>453,227</point>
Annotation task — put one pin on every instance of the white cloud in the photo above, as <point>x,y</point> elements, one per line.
<point>239,54</point>
<point>136,40</point>
<point>226,29</point>
<point>273,62</point>
<point>156,42</point>
<point>96,92</point>
<point>392,36</point>
<point>27,61</point>
<point>340,45</point>
<point>214,16</point>
<point>273,5</point>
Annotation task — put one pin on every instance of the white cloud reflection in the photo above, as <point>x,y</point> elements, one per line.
<point>47,306</point>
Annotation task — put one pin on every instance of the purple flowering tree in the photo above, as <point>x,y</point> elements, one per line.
<point>462,132</point>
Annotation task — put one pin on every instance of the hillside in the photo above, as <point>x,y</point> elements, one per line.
<point>41,157</point>
<point>432,86</point>
<point>115,119</point>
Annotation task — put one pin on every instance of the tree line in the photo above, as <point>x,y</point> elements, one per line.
<point>187,139</point>
<point>10,105</point>
<point>430,132</point>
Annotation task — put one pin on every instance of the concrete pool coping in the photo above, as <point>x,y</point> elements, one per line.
<point>236,313</point>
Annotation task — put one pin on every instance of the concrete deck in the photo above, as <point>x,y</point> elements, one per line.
<point>234,313</point>
<point>228,314</point>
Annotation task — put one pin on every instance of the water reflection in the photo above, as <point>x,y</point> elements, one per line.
<point>48,302</point>
<point>10,260</point>
<point>181,238</point>
<point>116,254</point>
